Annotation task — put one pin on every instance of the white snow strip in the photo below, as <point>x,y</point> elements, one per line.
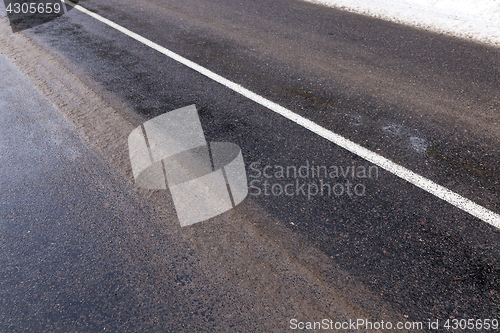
<point>478,20</point>
<point>417,180</point>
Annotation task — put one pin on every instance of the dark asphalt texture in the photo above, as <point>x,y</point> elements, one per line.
<point>427,102</point>
<point>76,242</point>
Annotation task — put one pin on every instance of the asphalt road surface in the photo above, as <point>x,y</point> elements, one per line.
<point>83,250</point>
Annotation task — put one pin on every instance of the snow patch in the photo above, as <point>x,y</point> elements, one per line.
<point>474,20</point>
<point>414,140</point>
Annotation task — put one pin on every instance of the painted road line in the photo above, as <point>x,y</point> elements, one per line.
<point>427,185</point>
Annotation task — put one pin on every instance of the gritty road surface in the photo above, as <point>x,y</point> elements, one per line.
<point>84,250</point>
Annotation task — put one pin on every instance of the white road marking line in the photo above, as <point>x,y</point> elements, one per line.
<point>427,185</point>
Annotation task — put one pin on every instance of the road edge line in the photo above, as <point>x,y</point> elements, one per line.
<point>427,185</point>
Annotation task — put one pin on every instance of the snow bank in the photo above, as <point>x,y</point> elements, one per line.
<point>476,20</point>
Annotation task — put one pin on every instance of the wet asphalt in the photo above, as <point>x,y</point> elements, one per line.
<point>66,220</point>
<point>427,102</point>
